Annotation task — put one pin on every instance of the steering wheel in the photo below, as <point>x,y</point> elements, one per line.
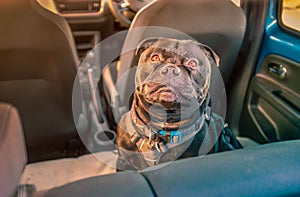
<point>124,10</point>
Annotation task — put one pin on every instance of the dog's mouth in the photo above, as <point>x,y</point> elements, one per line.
<point>168,96</point>
<point>164,104</point>
<point>155,92</point>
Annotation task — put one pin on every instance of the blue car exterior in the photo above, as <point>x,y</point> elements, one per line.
<point>276,40</point>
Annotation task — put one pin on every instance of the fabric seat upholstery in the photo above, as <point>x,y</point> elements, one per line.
<point>266,170</point>
<point>12,150</point>
<point>219,24</point>
<point>37,69</point>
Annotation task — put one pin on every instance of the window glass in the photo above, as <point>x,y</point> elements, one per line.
<point>237,2</point>
<point>290,14</point>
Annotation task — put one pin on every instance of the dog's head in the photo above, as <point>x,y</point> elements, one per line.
<point>172,72</point>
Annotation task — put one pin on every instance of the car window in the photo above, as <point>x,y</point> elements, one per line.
<point>237,2</point>
<point>290,14</point>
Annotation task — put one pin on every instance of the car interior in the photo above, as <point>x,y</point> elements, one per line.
<point>66,78</point>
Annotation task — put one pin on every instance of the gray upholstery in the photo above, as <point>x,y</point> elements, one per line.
<point>121,184</point>
<point>266,170</point>
<point>218,23</point>
<point>37,68</point>
<point>12,150</point>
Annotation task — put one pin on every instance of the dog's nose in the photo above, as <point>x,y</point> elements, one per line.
<point>173,70</point>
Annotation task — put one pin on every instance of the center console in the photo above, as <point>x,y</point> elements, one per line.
<point>85,41</point>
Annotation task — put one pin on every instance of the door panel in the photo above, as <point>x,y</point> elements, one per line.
<point>272,106</point>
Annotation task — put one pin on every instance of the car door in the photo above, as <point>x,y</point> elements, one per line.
<point>271,110</point>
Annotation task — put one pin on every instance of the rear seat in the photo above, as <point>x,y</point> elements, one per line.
<point>13,156</point>
<point>118,184</point>
<point>46,175</point>
<point>17,178</point>
<point>266,170</point>
<point>39,176</point>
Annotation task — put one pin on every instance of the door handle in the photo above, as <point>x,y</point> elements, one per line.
<point>278,70</point>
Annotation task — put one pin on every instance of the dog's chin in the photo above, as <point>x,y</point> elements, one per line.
<point>163,95</point>
<point>156,93</point>
<point>166,99</point>
<point>167,96</point>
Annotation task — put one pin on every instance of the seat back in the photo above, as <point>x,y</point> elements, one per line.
<point>219,24</point>
<point>12,150</point>
<point>37,69</point>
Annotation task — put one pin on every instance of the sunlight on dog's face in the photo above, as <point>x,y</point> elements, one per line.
<point>172,71</point>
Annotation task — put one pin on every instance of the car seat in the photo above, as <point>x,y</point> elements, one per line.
<point>12,150</point>
<point>37,70</point>
<point>219,24</point>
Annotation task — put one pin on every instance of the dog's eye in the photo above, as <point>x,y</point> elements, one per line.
<point>155,58</point>
<point>192,63</point>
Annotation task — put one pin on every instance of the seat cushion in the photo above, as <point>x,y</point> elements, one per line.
<point>54,173</point>
<point>12,150</point>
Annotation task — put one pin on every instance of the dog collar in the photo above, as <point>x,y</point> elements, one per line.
<point>152,144</point>
<point>156,142</point>
<point>169,136</point>
<point>152,149</point>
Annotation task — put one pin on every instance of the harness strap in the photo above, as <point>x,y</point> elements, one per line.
<point>153,150</point>
<point>154,143</point>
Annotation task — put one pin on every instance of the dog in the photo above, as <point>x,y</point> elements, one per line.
<point>170,114</point>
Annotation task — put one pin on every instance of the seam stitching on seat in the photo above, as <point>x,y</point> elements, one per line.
<point>149,184</point>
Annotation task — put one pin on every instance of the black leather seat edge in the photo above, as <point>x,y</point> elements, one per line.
<point>266,170</point>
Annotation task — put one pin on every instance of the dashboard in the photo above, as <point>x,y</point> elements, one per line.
<point>75,8</point>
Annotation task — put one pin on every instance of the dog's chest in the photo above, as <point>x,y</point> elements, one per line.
<point>154,152</point>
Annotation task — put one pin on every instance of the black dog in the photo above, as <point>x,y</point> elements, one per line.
<point>170,113</point>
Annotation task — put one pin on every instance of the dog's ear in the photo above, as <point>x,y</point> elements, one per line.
<point>143,45</point>
<point>210,53</point>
